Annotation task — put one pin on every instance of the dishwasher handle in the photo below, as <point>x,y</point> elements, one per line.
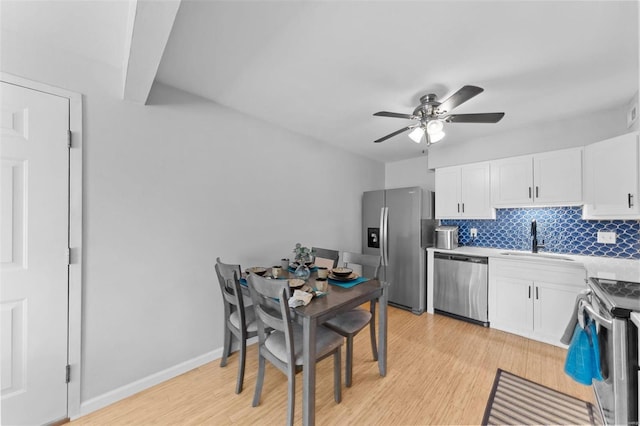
<point>461,258</point>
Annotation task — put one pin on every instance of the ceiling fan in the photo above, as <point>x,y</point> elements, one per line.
<point>431,115</point>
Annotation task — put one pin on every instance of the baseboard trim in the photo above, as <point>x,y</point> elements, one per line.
<point>126,391</point>
<point>133,388</point>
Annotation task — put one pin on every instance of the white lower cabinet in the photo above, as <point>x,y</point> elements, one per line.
<point>534,300</point>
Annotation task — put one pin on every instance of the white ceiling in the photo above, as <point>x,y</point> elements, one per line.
<point>322,68</point>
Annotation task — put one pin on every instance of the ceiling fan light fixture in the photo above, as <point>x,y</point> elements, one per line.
<point>434,127</point>
<point>417,134</point>
<point>436,137</point>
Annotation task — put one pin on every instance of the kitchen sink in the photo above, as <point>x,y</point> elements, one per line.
<point>539,255</point>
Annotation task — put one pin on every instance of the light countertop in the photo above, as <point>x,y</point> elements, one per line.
<point>601,267</point>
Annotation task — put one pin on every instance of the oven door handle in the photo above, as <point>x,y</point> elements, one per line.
<point>586,306</point>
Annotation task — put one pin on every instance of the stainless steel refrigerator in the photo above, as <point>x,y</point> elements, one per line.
<point>398,225</point>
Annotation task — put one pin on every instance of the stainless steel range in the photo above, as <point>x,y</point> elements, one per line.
<point>610,305</point>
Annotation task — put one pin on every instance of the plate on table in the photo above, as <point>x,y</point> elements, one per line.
<point>258,270</point>
<point>350,277</point>
<point>296,282</point>
<point>341,271</point>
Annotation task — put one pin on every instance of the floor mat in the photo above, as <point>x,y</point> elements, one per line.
<point>518,401</point>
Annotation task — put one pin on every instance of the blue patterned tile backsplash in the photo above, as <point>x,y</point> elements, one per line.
<point>561,228</point>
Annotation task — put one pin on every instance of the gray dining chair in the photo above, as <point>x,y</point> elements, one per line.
<point>350,323</point>
<point>239,318</point>
<point>326,257</point>
<point>283,346</point>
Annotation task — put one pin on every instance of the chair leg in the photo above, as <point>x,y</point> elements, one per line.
<point>337,375</point>
<point>347,380</point>
<point>259,381</point>
<point>291,399</point>
<point>226,348</point>
<point>372,331</point>
<point>242,360</point>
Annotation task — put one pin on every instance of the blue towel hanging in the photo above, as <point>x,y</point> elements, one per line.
<point>595,348</point>
<point>583,357</point>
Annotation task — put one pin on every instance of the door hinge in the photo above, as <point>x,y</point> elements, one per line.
<point>68,255</point>
<point>68,138</point>
<point>67,374</point>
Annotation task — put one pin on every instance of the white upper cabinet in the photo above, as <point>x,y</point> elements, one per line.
<point>511,181</point>
<point>546,179</point>
<point>464,192</point>
<point>611,178</point>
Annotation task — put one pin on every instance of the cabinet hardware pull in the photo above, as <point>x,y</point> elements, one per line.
<point>529,192</point>
<point>630,200</point>
<point>537,293</point>
<point>529,292</point>
<point>458,207</point>
<point>537,196</point>
<point>462,207</point>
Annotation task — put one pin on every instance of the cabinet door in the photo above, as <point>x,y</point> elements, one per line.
<point>512,181</point>
<point>553,305</point>
<point>557,177</point>
<point>513,306</point>
<point>475,192</point>
<point>611,179</point>
<point>448,192</point>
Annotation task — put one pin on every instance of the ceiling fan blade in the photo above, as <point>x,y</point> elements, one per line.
<point>487,117</point>
<point>394,115</point>
<point>458,98</point>
<point>390,135</point>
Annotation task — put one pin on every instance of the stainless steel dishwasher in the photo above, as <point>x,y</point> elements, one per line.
<point>460,287</point>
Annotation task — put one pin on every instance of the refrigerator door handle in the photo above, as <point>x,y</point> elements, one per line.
<point>385,236</point>
<point>382,236</point>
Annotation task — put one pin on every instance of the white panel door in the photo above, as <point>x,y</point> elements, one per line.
<point>448,192</point>
<point>475,189</point>
<point>611,178</point>
<point>513,306</point>
<point>33,264</point>
<point>512,181</point>
<point>552,310</point>
<point>558,177</point>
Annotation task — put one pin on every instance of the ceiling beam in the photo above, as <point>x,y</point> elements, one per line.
<point>148,30</point>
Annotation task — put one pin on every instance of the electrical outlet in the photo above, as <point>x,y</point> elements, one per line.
<point>605,237</point>
<point>473,232</point>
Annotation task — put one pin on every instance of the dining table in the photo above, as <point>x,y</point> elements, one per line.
<point>340,297</point>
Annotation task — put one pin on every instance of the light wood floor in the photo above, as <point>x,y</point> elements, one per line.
<point>440,371</point>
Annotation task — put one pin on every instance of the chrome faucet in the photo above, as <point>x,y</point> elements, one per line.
<point>534,237</point>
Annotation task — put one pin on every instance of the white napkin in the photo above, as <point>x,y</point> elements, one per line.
<point>300,298</point>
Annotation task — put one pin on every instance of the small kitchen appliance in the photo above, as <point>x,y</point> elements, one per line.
<point>446,237</point>
<point>610,304</point>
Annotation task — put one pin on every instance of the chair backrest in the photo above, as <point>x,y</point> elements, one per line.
<point>264,293</point>
<point>229,280</point>
<point>326,257</point>
<point>369,263</point>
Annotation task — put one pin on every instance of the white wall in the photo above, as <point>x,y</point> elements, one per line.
<point>412,172</point>
<point>565,133</point>
<point>170,186</point>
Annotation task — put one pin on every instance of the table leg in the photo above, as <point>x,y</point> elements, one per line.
<point>382,331</point>
<point>309,372</point>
